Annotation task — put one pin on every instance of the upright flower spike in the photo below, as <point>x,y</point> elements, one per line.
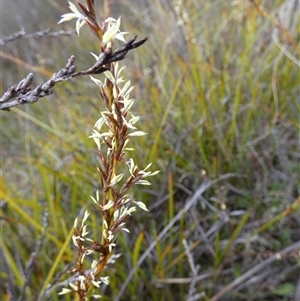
<point>117,171</point>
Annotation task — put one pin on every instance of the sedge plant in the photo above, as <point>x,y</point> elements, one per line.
<point>118,172</point>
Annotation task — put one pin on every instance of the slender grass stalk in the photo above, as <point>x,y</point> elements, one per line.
<point>295,206</point>
<point>111,134</point>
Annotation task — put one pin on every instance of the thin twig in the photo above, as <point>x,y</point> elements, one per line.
<point>33,256</point>
<point>107,57</point>
<point>35,35</point>
<point>22,93</point>
<point>254,270</point>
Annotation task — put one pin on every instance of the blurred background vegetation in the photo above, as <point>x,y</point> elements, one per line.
<point>217,87</point>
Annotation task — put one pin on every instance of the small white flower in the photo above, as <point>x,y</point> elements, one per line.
<point>127,103</point>
<point>74,238</point>
<point>113,32</point>
<point>118,73</point>
<point>125,89</point>
<point>113,258</point>
<point>82,280</point>
<point>126,142</point>
<point>148,166</point>
<point>89,252</point>
<point>86,215</point>
<point>116,179</point>
<point>94,200</point>
<point>137,133</point>
<point>116,214</point>
<point>110,236</point>
<point>126,211</point>
<point>65,291</point>
<point>96,57</point>
<point>141,205</point>
<point>125,201</point>
<point>102,120</point>
<point>97,296</point>
<point>143,182</point>
<point>128,124</point>
<point>132,209</point>
<point>134,119</point>
<point>84,231</point>
<point>97,81</point>
<point>128,149</point>
<point>75,222</point>
<point>110,247</point>
<point>74,287</point>
<point>115,91</point>
<point>110,76</point>
<point>97,142</point>
<point>109,204</point>
<point>96,134</point>
<point>94,264</point>
<point>148,173</point>
<point>75,15</point>
<point>96,283</point>
<point>132,166</point>
<point>121,225</point>
<point>82,258</point>
<point>105,280</point>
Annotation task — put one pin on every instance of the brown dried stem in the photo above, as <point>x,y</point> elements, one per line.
<point>22,93</point>
<point>35,35</point>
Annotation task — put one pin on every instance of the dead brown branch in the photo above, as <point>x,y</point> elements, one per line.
<point>35,35</point>
<point>21,93</point>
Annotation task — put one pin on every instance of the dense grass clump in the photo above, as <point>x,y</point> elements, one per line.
<point>217,88</point>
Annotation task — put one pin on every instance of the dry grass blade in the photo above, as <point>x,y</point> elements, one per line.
<point>262,265</point>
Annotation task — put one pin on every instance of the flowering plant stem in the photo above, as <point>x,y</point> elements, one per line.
<point>118,172</point>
